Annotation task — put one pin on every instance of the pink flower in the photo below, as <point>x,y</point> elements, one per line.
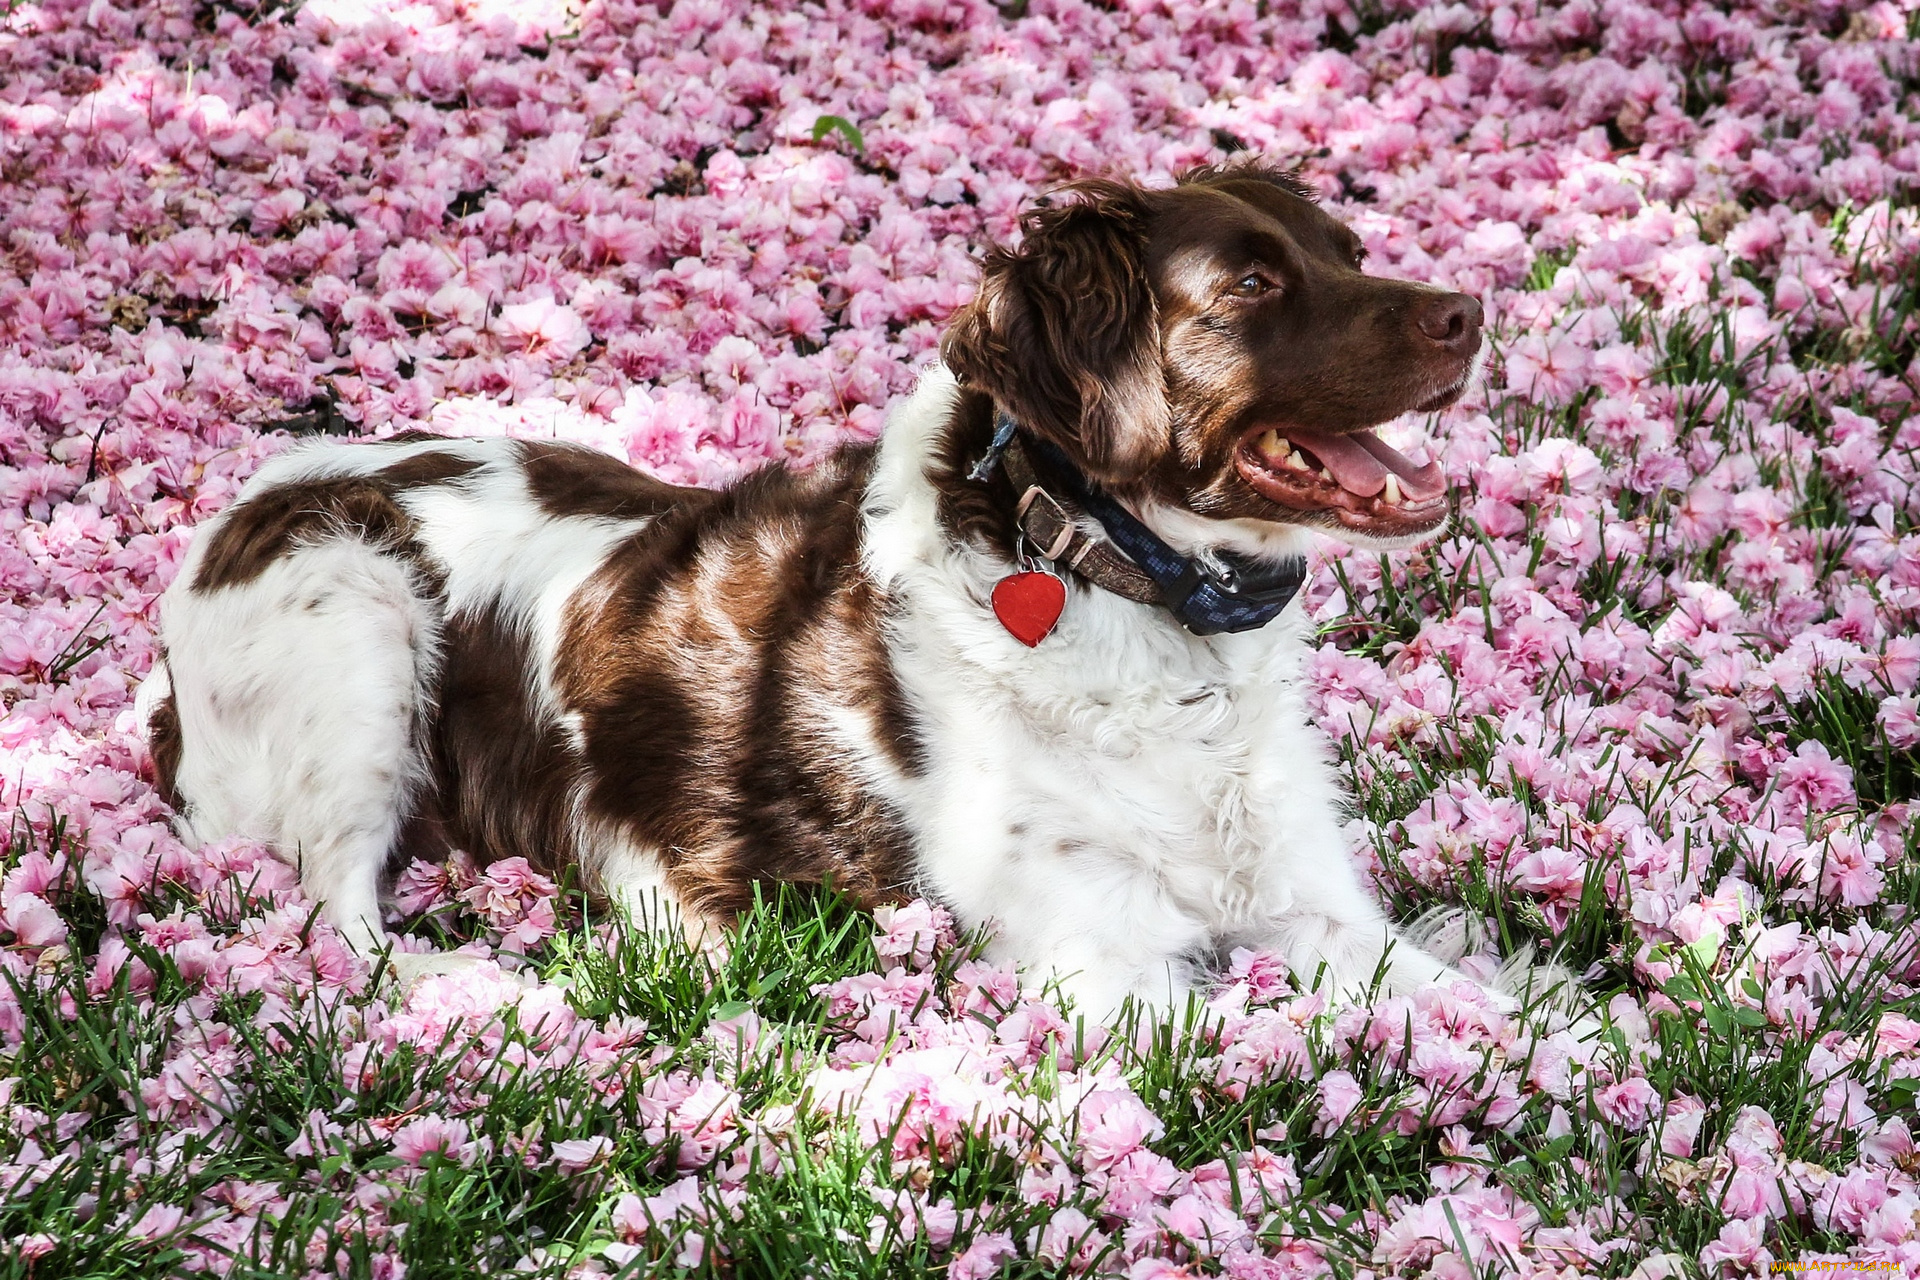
<point>1844,1106</point>
<point>1138,1180</point>
<point>422,886</point>
<point>35,873</point>
<point>514,898</point>
<point>1200,1223</point>
<point>1265,973</point>
<point>912,933</point>
<point>1501,245</point>
<point>628,1218</point>
<point>1627,1103</point>
<point>1490,1221</point>
<point>1850,869</point>
<point>1682,1127</point>
<point>1068,1238</point>
<point>983,1258</point>
<point>543,328</point>
<point>1896,1033</point>
<point>739,1034</point>
<point>158,1222</point>
<point>1546,368</point>
<point>1557,872</point>
<point>1739,1248</point>
<point>633,1217</point>
<point>1899,719</point>
<point>1620,370</point>
<point>1815,779</point>
<point>615,228</point>
<point>1340,1093</point>
<point>1759,514</point>
<point>1113,1122</point>
<point>32,922</point>
<point>1890,1142</point>
<point>1754,1127</point>
<point>316,1136</point>
<point>430,1135</point>
<point>575,1155</point>
<point>29,1247</point>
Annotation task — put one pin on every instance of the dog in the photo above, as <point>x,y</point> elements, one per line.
<point>1035,655</point>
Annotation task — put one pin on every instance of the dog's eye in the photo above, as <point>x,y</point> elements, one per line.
<point>1251,285</point>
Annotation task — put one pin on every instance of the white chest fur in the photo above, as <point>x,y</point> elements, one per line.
<point>1122,800</point>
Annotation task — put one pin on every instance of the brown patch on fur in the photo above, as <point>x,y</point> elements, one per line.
<point>977,511</point>
<point>710,662</point>
<point>167,746</point>
<point>573,480</point>
<point>896,725</point>
<point>425,834</point>
<point>264,528</point>
<point>1063,331</point>
<point>426,469</point>
<point>503,770</point>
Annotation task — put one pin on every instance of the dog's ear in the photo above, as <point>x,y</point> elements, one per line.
<point>1065,334</point>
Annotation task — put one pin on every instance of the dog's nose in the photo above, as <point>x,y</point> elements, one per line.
<point>1452,320</point>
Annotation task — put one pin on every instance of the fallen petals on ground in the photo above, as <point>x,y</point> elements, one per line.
<point>1653,699</point>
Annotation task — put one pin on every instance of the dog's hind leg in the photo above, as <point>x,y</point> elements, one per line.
<point>299,698</point>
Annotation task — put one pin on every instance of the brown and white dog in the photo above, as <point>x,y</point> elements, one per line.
<point>388,649</point>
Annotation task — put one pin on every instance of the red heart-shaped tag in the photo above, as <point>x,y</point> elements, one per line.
<point>1028,604</point>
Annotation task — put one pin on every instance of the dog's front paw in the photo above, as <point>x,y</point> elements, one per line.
<point>406,969</point>
<point>1155,994</point>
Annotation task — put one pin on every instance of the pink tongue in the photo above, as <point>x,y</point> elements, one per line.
<point>1360,463</point>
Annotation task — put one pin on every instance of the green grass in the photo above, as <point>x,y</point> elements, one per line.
<point>85,1057</point>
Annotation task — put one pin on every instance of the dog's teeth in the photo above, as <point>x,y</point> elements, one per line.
<point>1392,494</point>
<point>1326,475</point>
<point>1272,447</point>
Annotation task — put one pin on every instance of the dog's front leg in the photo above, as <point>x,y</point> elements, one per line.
<point>1345,952</point>
<point>1331,930</point>
<point>1103,932</point>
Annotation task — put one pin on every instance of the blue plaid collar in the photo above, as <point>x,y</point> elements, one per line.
<point>1234,593</point>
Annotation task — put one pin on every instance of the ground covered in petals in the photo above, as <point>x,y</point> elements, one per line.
<point>1651,706</point>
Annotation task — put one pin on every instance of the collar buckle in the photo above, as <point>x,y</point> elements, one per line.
<point>1226,592</point>
<point>1062,539</point>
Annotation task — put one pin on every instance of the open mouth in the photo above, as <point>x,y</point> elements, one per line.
<point>1359,480</point>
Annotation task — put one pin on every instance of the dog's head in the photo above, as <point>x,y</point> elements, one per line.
<point>1215,349</point>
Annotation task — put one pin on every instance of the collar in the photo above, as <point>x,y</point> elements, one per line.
<point>1236,593</point>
